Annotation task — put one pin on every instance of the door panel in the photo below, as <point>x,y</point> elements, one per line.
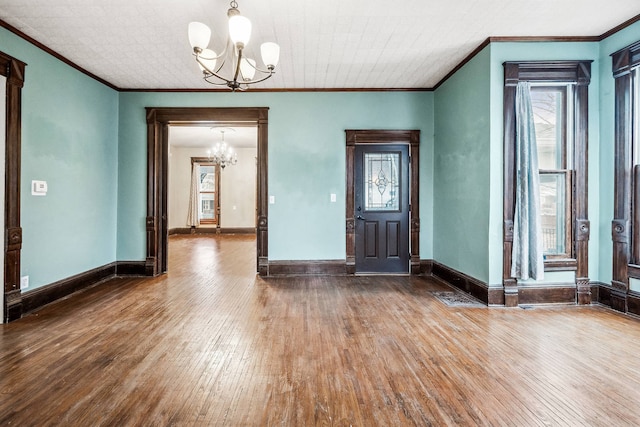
<point>382,208</point>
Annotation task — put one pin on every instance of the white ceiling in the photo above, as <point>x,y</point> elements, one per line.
<point>208,136</point>
<point>143,44</point>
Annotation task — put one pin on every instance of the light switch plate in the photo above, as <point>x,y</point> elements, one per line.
<point>333,197</point>
<point>272,200</point>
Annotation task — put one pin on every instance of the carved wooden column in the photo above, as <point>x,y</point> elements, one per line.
<point>621,226</point>
<point>510,284</point>
<point>13,70</point>
<point>263,196</point>
<point>152,193</point>
<point>582,225</point>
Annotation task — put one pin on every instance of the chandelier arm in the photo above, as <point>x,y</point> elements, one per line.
<point>250,82</point>
<point>206,79</point>
<point>267,71</point>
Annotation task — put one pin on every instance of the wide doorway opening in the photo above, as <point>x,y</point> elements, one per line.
<point>162,122</point>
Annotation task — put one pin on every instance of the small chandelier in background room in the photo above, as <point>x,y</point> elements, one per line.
<point>222,154</point>
<point>243,69</point>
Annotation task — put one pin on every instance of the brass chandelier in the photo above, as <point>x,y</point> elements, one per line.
<point>243,69</point>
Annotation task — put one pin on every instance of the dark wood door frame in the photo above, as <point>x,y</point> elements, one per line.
<point>13,70</point>
<point>389,137</point>
<point>158,122</point>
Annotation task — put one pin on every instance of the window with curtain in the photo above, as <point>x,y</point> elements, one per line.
<point>553,117</point>
<point>559,100</point>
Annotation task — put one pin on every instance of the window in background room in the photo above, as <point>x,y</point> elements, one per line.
<point>208,194</point>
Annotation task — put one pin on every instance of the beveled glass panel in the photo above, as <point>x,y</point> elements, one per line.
<point>381,181</point>
<point>553,212</point>
<point>548,120</point>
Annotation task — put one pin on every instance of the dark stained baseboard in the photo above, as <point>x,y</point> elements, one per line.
<point>130,268</point>
<point>426,267</point>
<point>628,302</point>
<point>295,268</point>
<point>36,298</point>
<point>493,296</point>
<point>547,294</point>
<point>212,230</point>
<point>466,283</point>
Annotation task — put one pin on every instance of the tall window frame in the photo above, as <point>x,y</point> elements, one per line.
<point>555,161</point>
<point>552,73</point>
<point>213,216</point>
<point>625,227</point>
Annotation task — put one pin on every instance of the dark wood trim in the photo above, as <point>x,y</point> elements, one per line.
<point>377,136</point>
<point>426,267</point>
<point>542,39</point>
<point>561,265</point>
<point>41,296</point>
<point>624,232</point>
<point>549,293</point>
<point>13,70</point>
<point>464,62</point>
<point>633,303</point>
<point>464,282</point>
<point>578,72</point>
<point>36,298</point>
<point>620,27</point>
<point>634,271</point>
<point>298,268</point>
<point>130,268</point>
<point>158,122</point>
<point>294,90</point>
<point>55,54</point>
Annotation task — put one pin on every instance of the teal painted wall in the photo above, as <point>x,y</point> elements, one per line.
<point>462,169</point>
<point>608,46</point>
<point>547,51</point>
<point>89,143</point>
<point>69,139</point>
<point>306,162</point>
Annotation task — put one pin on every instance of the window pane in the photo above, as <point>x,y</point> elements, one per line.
<point>553,210</point>
<point>207,206</point>
<point>381,181</point>
<point>548,112</point>
<point>207,178</point>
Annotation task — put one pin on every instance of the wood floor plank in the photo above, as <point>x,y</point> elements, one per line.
<point>210,343</point>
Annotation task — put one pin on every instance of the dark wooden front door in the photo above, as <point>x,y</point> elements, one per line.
<point>382,208</point>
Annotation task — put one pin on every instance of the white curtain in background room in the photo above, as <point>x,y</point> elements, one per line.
<point>194,195</point>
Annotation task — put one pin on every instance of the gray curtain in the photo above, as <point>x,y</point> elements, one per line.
<point>194,194</point>
<point>527,259</point>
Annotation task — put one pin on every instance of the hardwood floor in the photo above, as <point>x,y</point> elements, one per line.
<point>210,343</point>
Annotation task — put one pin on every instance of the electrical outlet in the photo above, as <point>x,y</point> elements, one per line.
<point>24,282</point>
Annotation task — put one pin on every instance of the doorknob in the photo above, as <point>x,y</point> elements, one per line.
<point>360,217</point>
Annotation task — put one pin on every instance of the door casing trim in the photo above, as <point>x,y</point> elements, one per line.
<point>387,137</point>
<point>158,122</point>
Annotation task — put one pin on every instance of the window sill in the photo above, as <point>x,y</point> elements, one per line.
<point>634,271</point>
<point>560,264</point>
